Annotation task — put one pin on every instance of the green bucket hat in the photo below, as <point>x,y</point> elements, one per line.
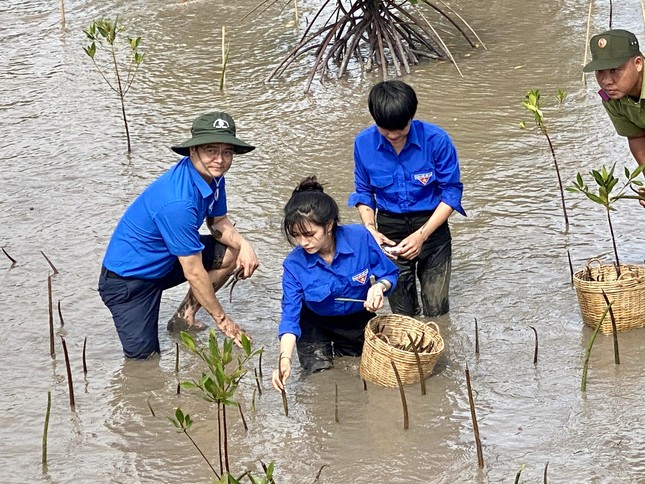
<point>611,49</point>
<point>215,127</point>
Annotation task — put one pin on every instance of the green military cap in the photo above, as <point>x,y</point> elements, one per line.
<point>611,49</point>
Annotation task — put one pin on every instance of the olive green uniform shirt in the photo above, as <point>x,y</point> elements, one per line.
<point>627,114</point>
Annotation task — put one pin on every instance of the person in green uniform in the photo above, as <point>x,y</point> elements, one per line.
<point>618,64</point>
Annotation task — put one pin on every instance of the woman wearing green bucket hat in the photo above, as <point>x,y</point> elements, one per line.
<point>157,245</point>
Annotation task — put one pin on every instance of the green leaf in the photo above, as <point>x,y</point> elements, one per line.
<point>189,385</point>
<point>179,415</point>
<point>595,198</point>
<point>246,344</point>
<point>188,340</point>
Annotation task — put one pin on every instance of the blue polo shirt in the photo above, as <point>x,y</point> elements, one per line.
<point>425,173</point>
<point>308,279</point>
<point>163,223</point>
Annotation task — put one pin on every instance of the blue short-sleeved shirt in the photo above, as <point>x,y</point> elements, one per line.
<point>308,279</point>
<point>163,223</point>
<point>425,173</point>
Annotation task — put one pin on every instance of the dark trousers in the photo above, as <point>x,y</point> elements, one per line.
<point>134,303</point>
<point>431,267</point>
<point>324,337</point>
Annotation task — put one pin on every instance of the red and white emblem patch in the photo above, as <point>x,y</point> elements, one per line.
<point>362,277</point>
<point>423,177</point>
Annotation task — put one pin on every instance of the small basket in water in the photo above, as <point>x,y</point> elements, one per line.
<point>627,293</point>
<point>390,338</point>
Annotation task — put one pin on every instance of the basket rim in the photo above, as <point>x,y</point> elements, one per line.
<point>371,338</point>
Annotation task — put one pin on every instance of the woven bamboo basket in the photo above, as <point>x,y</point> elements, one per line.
<point>378,355</point>
<point>627,293</point>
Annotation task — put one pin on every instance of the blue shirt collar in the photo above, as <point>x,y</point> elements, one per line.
<point>342,247</point>
<point>204,188</point>
<point>412,139</point>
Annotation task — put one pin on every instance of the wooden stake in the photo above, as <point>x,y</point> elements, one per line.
<point>60,315</point>
<point>336,416</point>
<point>46,427</point>
<point>70,383</point>
<point>406,418</point>
<point>13,261</point>
<point>62,13</point>
<point>471,401</point>
<point>52,350</point>
<point>50,263</point>
<point>535,354</point>
<point>84,360</point>
<point>476,337</point>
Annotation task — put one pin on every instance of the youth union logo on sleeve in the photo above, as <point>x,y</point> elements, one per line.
<point>423,177</point>
<point>362,277</point>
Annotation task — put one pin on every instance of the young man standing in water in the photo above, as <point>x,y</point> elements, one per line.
<point>157,245</point>
<point>618,64</point>
<point>407,184</point>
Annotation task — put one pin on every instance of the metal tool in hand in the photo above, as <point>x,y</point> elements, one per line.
<point>234,277</point>
<point>349,299</point>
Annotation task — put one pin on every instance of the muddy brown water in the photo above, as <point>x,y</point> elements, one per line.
<point>66,179</point>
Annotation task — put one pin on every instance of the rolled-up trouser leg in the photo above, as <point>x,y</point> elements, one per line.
<point>434,276</point>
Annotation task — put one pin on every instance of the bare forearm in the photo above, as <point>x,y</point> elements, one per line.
<point>202,288</point>
<point>438,218</point>
<point>225,232</point>
<point>367,216</point>
<point>287,344</point>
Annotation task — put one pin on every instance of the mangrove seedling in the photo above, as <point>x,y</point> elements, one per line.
<point>606,182</point>
<point>532,104</point>
<point>218,384</point>
<point>123,61</point>
<point>585,368</point>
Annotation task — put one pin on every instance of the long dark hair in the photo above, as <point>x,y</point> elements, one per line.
<point>309,203</point>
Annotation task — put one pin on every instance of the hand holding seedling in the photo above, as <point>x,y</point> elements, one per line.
<point>281,374</point>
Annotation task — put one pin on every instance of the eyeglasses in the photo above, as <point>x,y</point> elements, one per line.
<point>215,151</point>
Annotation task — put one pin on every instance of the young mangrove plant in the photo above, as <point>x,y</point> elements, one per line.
<point>614,329</point>
<point>585,368</point>
<point>606,182</point>
<point>533,104</point>
<point>122,60</point>
<point>218,384</point>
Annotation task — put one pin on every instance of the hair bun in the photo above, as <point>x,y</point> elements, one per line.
<point>309,184</point>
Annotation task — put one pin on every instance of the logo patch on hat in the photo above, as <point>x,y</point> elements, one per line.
<point>602,42</point>
<point>423,178</point>
<point>362,277</point>
<point>220,123</point>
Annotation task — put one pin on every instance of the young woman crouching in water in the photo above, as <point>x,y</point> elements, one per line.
<point>329,261</point>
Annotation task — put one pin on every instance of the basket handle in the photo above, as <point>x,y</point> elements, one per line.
<point>434,326</point>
